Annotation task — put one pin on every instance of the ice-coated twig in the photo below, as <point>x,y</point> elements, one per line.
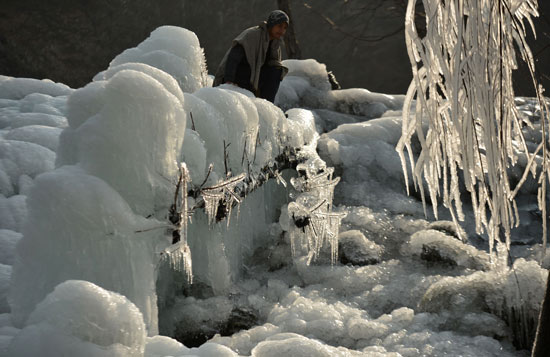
<point>224,192</point>
<point>178,255</point>
<point>320,224</point>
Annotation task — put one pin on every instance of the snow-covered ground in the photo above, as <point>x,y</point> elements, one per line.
<point>316,250</point>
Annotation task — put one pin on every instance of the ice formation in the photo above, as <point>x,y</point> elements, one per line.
<point>102,232</point>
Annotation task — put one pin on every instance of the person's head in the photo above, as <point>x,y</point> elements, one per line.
<point>277,23</point>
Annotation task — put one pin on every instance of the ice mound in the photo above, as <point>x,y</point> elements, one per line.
<point>80,228</point>
<point>307,85</point>
<point>128,131</point>
<point>81,319</point>
<point>172,49</point>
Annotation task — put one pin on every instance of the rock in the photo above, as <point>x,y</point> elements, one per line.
<point>450,229</point>
<point>241,318</point>
<point>438,248</point>
<point>354,248</point>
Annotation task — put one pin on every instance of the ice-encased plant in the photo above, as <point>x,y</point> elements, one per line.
<point>462,82</point>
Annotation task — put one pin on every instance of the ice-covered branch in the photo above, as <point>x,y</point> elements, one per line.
<point>462,83</point>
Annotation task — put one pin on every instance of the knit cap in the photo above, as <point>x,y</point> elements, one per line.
<point>277,17</point>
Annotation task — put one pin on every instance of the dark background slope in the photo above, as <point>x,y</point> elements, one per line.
<point>70,41</point>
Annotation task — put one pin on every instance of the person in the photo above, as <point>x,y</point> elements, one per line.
<point>254,60</point>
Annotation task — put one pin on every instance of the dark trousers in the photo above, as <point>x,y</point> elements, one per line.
<point>270,78</point>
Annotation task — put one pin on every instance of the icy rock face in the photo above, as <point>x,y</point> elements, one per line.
<point>172,49</point>
<point>81,319</point>
<point>354,248</point>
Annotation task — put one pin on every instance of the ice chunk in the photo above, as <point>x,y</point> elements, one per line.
<point>307,86</point>
<point>241,119</point>
<point>85,103</point>
<point>40,103</point>
<point>303,129</point>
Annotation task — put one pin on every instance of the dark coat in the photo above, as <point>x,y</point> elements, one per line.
<point>255,41</point>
